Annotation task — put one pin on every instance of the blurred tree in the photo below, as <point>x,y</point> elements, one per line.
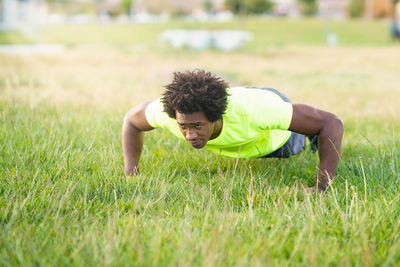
<point>249,6</point>
<point>308,7</point>
<point>234,5</point>
<point>356,8</point>
<point>259,6</point>
<point>208,6</point>
<point>127,6</point>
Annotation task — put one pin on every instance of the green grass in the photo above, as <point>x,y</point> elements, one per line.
<point>14,37</point>
<point>65,202</point>
<point>271,32</point>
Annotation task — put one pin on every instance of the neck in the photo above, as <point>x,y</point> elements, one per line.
<point>217,129</point>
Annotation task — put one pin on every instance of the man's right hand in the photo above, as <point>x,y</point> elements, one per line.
<point>133,128</point>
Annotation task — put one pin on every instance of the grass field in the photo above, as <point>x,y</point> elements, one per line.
<point>64,199</point>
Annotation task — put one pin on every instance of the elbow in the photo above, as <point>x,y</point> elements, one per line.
<point>129,120</point>
<point>334,124</point>
<point>136,118</point>
<point>339,125</point>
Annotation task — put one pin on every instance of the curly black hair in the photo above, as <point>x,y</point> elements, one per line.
<point>196,91</point>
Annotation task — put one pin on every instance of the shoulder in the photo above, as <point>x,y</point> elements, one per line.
<point>158,118</point>
<point>136,117</point>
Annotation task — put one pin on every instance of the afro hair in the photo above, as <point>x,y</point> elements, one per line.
<point>196,91</point>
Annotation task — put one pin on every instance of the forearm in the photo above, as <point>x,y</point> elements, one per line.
<point>132,144</point>
<point>330,143</point>
<point>310,121</point>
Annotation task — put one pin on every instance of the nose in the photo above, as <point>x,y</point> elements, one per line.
<point>191,135</point>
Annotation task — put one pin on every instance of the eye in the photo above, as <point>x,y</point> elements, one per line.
<point>197,126</point>
<point>182,126</point>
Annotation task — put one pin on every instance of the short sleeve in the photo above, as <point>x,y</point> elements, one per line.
<point>155,115</point>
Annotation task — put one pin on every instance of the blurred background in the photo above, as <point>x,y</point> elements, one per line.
<point>340,55</point>
<point>32,21</point>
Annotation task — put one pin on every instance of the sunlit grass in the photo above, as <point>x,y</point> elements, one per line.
<point>64,197</point>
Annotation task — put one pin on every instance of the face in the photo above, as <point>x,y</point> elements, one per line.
<point>195,127</point>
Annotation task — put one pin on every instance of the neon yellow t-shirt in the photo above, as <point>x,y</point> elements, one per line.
<point>255,123</point>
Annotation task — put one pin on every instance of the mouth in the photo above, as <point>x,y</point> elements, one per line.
<point>196,144</point>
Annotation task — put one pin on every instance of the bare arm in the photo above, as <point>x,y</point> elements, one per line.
<point>308,120</point>
<point>133,128</point>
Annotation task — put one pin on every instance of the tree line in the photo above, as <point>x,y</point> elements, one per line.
<point>355,8</point>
